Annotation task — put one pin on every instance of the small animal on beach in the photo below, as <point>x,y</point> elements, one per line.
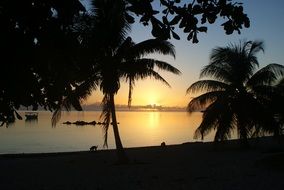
<point>93,148</point>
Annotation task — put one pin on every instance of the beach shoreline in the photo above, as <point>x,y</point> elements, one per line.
<point>193,165</point>
<point>259,142</point>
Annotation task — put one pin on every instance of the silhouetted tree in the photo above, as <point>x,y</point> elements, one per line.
<point>35,49</point>
<point>272,97</point>
<point>46,59</point>
<point>190,16</point>
<point>265,84</point>
<point>279,107</point>
<point>115,57</point>
<point>234,98</point>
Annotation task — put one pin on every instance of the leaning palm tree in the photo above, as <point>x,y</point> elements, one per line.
<point>231,100</point>
<point>112,58</point>
<point>127,63</point>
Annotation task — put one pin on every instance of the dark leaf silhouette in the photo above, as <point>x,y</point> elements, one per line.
<point>175,36</point>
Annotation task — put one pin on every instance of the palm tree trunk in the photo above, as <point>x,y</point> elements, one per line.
<point>243,135</point>
<point>122,157</point>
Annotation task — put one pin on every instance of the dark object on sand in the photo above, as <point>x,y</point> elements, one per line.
<point>93,148</point>
<point>163,144</point>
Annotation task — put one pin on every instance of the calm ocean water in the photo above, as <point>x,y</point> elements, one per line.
<point>136,129</point>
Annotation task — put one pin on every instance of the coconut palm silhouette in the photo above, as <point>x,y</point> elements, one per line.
<point>113,57</point>
<point>233,98</point>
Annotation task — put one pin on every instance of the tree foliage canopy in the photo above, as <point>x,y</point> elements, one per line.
<point>42,55</point>
<point>191,16</point>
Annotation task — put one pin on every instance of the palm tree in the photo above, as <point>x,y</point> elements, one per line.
<point>274,102</point>
<point>113,57</point>
<point>280,97</point>
<point>267,86</point>
<point>232,98</point>
<point>127,63</point>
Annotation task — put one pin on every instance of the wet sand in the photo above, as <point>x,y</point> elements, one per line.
<point>186,166</point>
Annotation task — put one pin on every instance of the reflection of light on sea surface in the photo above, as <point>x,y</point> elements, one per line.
<point>154,119</point>
<point>141,128</point>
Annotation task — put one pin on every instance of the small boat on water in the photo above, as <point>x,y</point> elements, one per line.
<point>31,115</point>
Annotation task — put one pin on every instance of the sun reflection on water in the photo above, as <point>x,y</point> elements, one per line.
<point>154,119</point>
<point>141,128</point>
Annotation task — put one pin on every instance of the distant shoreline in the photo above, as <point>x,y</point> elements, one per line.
<point>120,108</point>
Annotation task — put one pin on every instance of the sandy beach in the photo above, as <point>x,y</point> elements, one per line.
<point>195,166</point>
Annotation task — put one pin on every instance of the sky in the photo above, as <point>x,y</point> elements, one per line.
<point>267,24</point>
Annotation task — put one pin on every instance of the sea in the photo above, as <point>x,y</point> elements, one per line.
<point>137,129</point>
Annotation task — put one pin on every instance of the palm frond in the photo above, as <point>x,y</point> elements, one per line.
<point>83,90</point>
<point>281,82</point>
<point>139,65</point>
<point>152,46</point>
<point>156,76</point>
<point>207,86</point>
<point>263,92</point>
<point>234,63</point>
<point>244,126</point>
<point>254,47</point>
<point>246,61</point>
<point>216,113</point>
<point>246,68</point>
<point>164,66</point>
<point>267,75</point>
<point>223,56</point>
<point>221,72</point>
<point>56,116</point>
<point>143,68</point>
<point>226,124</point>
<point>203,101</point>
<point>74,97</point>
<point>209,123</point>
<point>206,126</point>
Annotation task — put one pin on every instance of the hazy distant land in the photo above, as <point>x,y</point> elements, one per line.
<point>119,107</point>
<point>97,106</point>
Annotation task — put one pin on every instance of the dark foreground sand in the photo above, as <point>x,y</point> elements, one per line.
<point>187,166</point>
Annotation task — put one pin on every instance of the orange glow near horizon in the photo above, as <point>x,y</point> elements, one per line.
<point>147,92</point>
<point>152,98</point>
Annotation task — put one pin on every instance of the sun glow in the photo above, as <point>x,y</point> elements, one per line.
<point>153,99</point>
<point>146,93</point>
